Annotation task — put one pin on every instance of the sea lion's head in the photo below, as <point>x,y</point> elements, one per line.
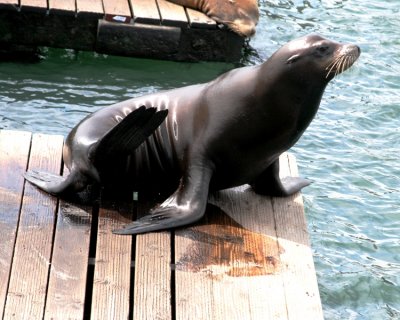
<point>316,57</point>
<point>241,16</point>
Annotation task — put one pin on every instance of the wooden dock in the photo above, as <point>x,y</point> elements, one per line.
<point>250,258</point>
<point>141,28</point>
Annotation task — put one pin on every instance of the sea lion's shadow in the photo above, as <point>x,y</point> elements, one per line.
<point>229,240</point>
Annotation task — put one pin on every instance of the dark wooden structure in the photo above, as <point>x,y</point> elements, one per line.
<point>249,258</point>
<point>140,28</point>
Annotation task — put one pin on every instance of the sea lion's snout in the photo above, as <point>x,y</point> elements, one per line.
<point>350,50</point>
<point>343,59</point>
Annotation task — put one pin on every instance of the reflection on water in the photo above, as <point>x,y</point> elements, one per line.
<point>350,150</point>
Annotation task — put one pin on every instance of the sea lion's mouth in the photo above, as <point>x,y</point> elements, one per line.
<point>343,60</point>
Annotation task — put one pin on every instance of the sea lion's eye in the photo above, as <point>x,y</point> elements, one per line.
<point>322,49</point>
<point>293,59</point>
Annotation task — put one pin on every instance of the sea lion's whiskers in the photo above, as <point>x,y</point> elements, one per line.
<point>344,64</point>
<point>341,64</point>
<point>334,66</point>
<point>338,66</point>
<point>331,66</point>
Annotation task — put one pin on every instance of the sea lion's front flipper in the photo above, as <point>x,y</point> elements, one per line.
<point>56,184</point>
<point>186,205</point>
<point>127,135</point>
<point>269,183</point>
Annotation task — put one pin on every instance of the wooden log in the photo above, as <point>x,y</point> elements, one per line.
<point>112,273</point>
<point>152,286</point>
<point>210,45</point>
<point>172,14</point>
<point>14,151</point>
<point>69,267</point>
<point>32,256</point>
<point>137,40</point>
<point>145,11</point>
<point>301,288</point>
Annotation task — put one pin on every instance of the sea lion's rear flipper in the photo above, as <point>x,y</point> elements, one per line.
<point>186,205</point>
<point>269,183</point>
<point>127,135</point>
<point>56,184</point>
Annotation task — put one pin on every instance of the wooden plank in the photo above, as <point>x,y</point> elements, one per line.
<point>145,11</point>
<point>34,5</point>
<point>94,7</point>
<point>199,20</point>
<point>301,287</point>
<point>172,14</point>
<point>117,11</point>
<point>152,288</point>
<point>14,151</point>
<point>257,266</point>
<point>230,259</point>
<point>69,266</point>
<point>62,6</point>
<point>29,275</point>
<point>112,273</point>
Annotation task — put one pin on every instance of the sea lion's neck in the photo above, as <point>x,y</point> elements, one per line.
<point>293,96</point>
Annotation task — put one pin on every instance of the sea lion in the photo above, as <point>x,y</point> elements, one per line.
<point>241,16</point>
<point>215,135</point>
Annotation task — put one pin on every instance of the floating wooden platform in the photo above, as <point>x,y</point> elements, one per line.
<point>249,258</point>
<point>141,28</point>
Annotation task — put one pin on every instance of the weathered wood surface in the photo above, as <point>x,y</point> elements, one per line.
<point>249,258</point>
<point>112,271</point>
<point>146,11</point>
<point>32,251</point>
<point>69,264</point>
<point>152,271</point>
<point>62,6</point>
<point>14,152</point>
<point>141,28</point>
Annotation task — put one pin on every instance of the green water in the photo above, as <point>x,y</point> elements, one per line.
<point>350,151</point>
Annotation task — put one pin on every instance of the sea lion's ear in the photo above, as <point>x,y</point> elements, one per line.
<point>293,59</point>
